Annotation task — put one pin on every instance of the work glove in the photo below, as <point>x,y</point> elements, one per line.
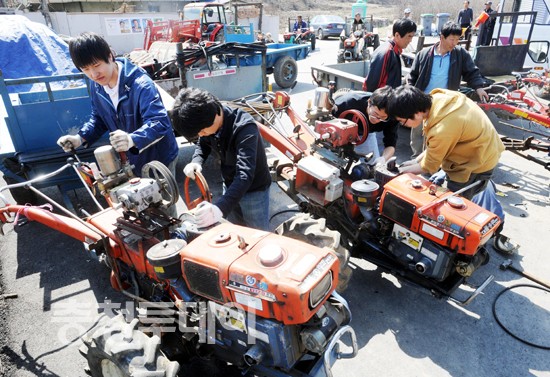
<point>121,140</point>
<point>379,161</point>
<point>438,178</point>
<point>207,214</point>
<point>190,169</point>
<point>69,142</point>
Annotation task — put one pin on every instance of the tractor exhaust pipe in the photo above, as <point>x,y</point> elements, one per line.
<point>254,355</point>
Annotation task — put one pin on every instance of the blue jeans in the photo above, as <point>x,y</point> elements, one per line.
<point>252,210</point>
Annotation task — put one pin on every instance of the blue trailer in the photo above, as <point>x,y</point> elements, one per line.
<point>35,120</point>
<point>280,61</point>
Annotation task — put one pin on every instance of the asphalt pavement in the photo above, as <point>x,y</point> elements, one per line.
<point>401,330</point>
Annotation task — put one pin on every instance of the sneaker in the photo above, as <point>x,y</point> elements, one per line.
<point>503,245</point>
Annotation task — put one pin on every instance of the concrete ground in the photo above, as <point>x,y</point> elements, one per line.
<point>401,330</point>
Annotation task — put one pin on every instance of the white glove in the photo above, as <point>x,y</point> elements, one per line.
<point>207,214</point>
<point>69,142</point>
<point>408,163</point>
<point>380,161</point>
<point>190,169</point>
<point>121,140</point>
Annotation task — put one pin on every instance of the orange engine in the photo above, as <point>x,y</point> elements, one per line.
<point>455,223</point>
<point>274,276</point>
<point>338,131</point>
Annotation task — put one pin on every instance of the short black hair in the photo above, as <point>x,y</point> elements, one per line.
<point>403,26</point>
<point>451,28</point>
<point>408,100</point>
<point>88,49</point>
<point>381,96</point>
<point>193,111</point>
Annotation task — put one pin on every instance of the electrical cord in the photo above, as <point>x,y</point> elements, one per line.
<point>544,347</point>
<point>283,211</point>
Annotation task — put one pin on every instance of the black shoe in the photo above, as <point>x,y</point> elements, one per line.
<point>503,245</point>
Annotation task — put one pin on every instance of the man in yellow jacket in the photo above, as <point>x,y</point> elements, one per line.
<point>459,139</point>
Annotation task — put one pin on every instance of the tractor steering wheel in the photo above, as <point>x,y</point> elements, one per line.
<point>201,183</point>
<point>359,118</point>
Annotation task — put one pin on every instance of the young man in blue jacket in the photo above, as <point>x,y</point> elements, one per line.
<point>233,137</point>
<point>125,103</point>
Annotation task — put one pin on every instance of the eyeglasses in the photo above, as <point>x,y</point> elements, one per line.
<point>369,112</point>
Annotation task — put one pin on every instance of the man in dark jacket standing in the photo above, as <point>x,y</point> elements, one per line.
<point>486,29</point>
<point>443,65</point>
<point>233,137</point>
<point>385,66</point>
<point>125,103</point>
<point>465,18</point>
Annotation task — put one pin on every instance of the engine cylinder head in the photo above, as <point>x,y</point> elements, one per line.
<point>107,160</point>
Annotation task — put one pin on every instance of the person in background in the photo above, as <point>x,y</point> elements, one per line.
<point>486,29</point>
<point>269,38</point>
<point>125,103</point>
<point>443,65</point>
<point>407,13</point>
<point>232,136</point>
<point>465,17</point>
<point>385,67</point>
<point>460,139</point>
<point>357,23</point>
<point>299,25</point>
<point>373,106</point>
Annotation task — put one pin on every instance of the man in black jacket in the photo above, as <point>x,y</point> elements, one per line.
<point>373,106</point>
<point>443,65</point>
<point>465,18</point>
<point>233,137</point>
<point>385,66</point>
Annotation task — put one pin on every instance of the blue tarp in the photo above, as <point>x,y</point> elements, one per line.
<point>29,49</point>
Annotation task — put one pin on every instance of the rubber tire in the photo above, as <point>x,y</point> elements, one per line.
<point>22,195</point>
<point>122,346</point>
<point>313,40</point>
<point>320,34</point>
<point>376,42</point>
<point>304,227</point>
<point>285,71</point>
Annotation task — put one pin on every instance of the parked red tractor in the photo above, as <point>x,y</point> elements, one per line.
<point>260,301</point>
<point>201,22</point>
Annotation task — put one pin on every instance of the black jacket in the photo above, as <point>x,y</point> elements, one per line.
<point>359,101</point>
<point>239,147</point>
<point>385,67</point>
<point>461,67</point>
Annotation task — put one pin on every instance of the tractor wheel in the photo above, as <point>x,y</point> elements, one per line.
<point>21,195</point>
<point>285,71</point>
<point>118,349</point>
<point>312,40</point>
<point>305,228</point>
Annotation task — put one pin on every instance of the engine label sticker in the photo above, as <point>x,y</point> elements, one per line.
<point>263,293</point>
<point>220,72</point>
<point>251,302</point>
<point>433,231</point>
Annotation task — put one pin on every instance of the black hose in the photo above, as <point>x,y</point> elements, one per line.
<point>283,211</point>
<point>504,327</point>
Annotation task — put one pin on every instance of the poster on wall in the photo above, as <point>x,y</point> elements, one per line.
<point>123,26</point>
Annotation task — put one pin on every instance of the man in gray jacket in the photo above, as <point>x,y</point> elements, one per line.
<point>443,65</point>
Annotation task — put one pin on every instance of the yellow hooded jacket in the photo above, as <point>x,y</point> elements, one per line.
<point>459,136</point>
